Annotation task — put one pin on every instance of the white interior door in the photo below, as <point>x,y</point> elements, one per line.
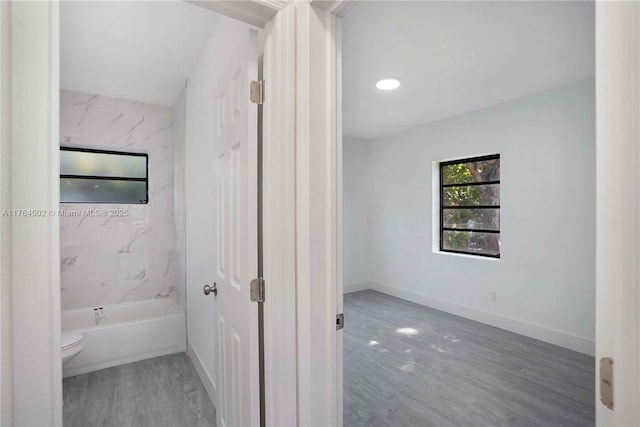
<point>222,223</point>
<point>236,251</point>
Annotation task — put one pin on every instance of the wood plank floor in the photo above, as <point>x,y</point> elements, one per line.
<point>409,365</point>
<point>163,391</point>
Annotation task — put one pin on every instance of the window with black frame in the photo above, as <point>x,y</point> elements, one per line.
<point>100,176</point>
<point>470,206</point>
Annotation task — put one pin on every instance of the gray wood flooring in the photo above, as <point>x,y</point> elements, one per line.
<point>409,365</point>
<point>163,391</point>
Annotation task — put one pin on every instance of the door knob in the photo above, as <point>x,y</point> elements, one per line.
<point>208,289</point>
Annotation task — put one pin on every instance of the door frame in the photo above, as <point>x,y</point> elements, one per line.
<point>618,207</point>
<point>302,149</point>
<point>30,240</point>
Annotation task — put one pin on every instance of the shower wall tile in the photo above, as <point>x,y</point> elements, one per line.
<point>112,259</point>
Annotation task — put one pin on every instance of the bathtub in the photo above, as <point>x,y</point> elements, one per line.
<point>127,333</point>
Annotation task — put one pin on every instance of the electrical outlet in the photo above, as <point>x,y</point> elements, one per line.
<point>492,296</point>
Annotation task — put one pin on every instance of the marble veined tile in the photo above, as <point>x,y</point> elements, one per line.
<point>118,258</point>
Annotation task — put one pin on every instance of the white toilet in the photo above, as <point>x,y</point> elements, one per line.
<point>71,345</point>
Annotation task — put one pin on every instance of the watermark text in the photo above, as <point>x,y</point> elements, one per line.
<point>67,213</point>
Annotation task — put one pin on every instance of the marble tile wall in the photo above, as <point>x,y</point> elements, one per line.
<point>113,257</point>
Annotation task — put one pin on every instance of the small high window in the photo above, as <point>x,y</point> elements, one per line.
<point>470,206</point>
<point>98,176</point>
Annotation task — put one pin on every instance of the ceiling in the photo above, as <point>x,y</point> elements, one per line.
<point>456,57</point>
<point>139,50</point>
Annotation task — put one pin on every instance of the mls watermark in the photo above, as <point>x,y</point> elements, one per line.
<point>67,213</point>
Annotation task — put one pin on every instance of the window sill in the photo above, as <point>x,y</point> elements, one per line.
<point>483,258</point>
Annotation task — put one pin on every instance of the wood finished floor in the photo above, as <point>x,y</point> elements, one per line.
<point>409,365</point>
<point>163,391</point>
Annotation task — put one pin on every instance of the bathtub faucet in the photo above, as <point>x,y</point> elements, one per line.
<point>98,314</point>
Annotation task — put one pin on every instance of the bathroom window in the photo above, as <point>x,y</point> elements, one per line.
<point>470,206</point>
<point>98,176</point>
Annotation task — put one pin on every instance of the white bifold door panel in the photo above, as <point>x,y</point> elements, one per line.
<point>222,223</point>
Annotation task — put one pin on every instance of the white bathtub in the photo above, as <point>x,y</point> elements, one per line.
<point>129,332</point>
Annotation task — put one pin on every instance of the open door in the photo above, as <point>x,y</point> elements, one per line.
<point>221,213</point>
<point>236,236</point>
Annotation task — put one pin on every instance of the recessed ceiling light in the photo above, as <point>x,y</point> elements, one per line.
<point>388,84</point>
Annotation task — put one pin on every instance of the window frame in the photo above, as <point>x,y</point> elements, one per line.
<point>442,186</point>
<point>110,178</point>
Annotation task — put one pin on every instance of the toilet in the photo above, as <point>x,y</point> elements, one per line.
<point>71,345</point>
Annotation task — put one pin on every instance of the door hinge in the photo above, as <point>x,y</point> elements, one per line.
<point>256,91</point>
<point>339,321</point>
<point>257,290</point>
<point>606,382</point>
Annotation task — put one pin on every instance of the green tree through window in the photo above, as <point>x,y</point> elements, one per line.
<point>470,206</point>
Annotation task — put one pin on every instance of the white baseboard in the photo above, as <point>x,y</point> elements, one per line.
<point>204,375</point>
<point>552,336</point>
<point>355,287</point>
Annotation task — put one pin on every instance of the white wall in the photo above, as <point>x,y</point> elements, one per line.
<point>545,279</point>
<point>112,259</point>
<point>355,202</point>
